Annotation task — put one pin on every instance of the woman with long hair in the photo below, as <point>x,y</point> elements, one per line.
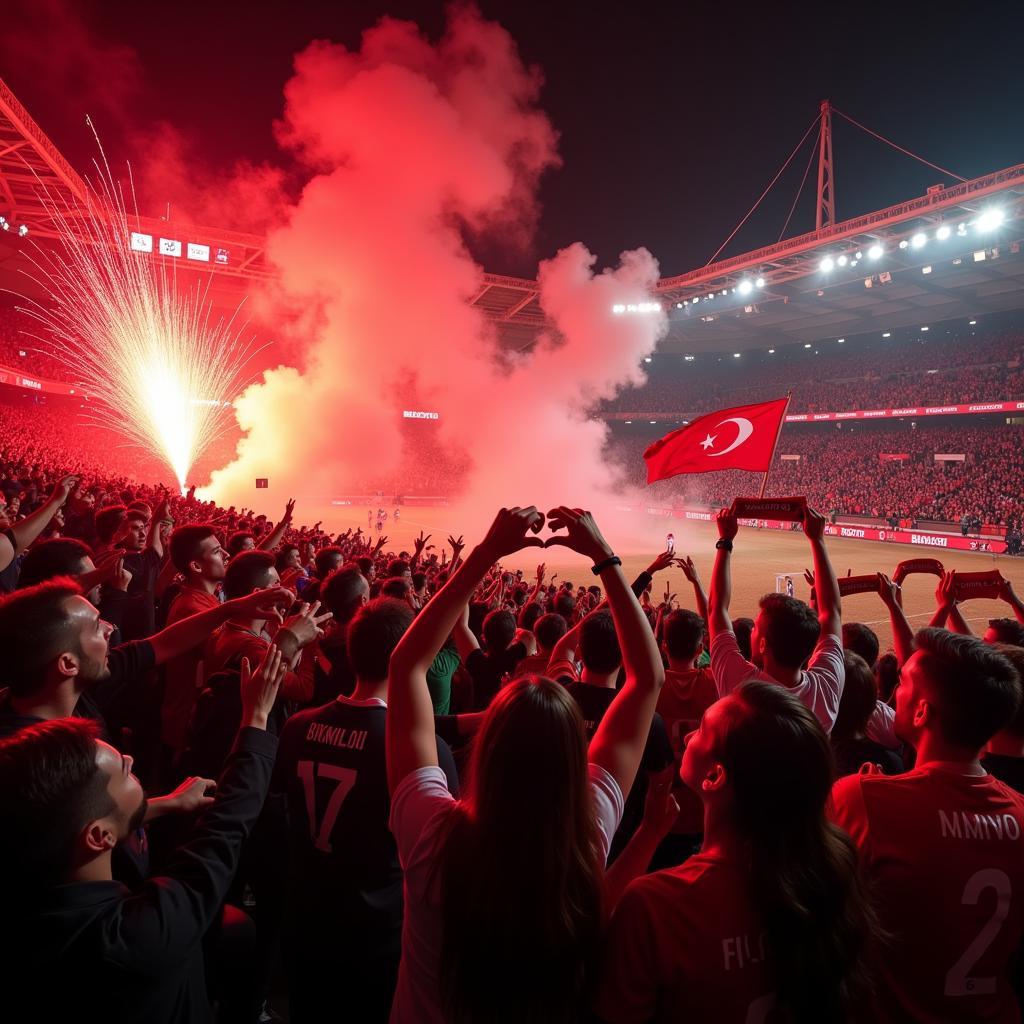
<point>504,888</point>
<point>769,922</point>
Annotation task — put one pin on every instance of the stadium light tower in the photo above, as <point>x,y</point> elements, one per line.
<point>826,213</point>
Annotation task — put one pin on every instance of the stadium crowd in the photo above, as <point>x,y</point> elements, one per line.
<point>244,761</point>
<point>832,378</point>
<point>844,470</point>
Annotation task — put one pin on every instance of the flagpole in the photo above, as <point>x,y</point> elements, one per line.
<point>775,447</point>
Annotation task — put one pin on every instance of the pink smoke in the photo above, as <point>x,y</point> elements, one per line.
<point>407,145</point>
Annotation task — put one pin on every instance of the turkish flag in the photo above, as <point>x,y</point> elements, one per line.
<point>739,438</point>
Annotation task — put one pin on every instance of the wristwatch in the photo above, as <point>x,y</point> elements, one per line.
<point>723,544</point>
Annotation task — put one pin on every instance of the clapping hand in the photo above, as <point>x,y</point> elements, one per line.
<point>259,688</point>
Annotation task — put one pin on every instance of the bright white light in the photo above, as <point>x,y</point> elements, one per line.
<point>735,355</point>
<point>875,252</point>
<point>887,335</point>
<point>696,299</point>
<point>918,239</point>
<point>972,322</point>
<point>653,422</point>
<point>842,261</point>
<point>980,256</point>
<point>745,287</point>
<point>926,270</point>
<point>759,282</point>
<point>711,295</point>
<point>944,232</point>
<point>689,359</point>
<point>840,340</point>
<point>924,328</point>
<point>904,244</point>
<point>771,351</point>
<point>826,264</point>
<point>618,309</point>
<point>679,305</point>
<point>808,345</point>
<point>629,421</point>
<point>859,254</point>
<point>961,228</point>
<point>724,292</point>
<point>647,359</point>
<point>990,219</point>
<point>23,230</point>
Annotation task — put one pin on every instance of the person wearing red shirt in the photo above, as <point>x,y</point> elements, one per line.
<point>196,553</point>
<point>943,845</point>
<point>769,921</point>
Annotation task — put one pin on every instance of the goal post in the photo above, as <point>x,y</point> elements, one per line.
<point>787,582</point>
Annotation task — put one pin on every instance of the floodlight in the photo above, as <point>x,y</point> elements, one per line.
<point>972,322</point>
<point>918,239</point>
<point>826,264</point>
<point>990,219</point>
<point>735,355</point>
<point>771,351</point>
<point>647,359</point>
<point>875,252</point>
<point>842,261</point>
<point>745,287</point>
<point>887,335</point>
<point>808,345</point>
<point>904,244</point>
<point>759,282</point>
<point>924,328</point>
<point>926,270</point>
<point>944,232</point>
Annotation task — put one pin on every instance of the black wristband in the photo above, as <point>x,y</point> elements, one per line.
<point>606,564</point>
<point>723,544</point>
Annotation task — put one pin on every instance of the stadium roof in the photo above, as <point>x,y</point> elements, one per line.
<point>954,252</point>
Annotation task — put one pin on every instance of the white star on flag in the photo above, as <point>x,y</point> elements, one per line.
<point>708,442</point>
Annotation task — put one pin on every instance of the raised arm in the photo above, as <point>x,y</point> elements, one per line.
<point>826,586</point>
<point>276,535</point>
<point>25,531</point>
<point>620,739</point>
<point>691,574</point>
<point>1006,594</point>
<point>721,576</point>
<point>161,515</point>
<point>947,611</point>
<point>902,633</point>
<point>419,543</point>
<point>465,640</point>
<point>410,735</point>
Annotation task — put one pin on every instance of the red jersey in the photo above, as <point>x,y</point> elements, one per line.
<point>682,702</point>
<point>944,852</point>
<point>183,676</point>
<point>686,945</point>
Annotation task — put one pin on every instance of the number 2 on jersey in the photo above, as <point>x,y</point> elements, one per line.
<point>957,981</point>
<point>344,778</point>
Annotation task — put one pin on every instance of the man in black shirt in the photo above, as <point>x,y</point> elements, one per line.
<point>344,923</point>
<point>119,955</point>
<point>506,647</point>
<point>57,660</point>
<point>1004,757</point>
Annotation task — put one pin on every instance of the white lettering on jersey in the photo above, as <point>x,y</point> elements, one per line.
<point>959,825</point>
<point>738,951</point>
<point>336,736</point>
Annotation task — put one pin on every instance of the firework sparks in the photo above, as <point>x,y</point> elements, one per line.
<point>159,368</point>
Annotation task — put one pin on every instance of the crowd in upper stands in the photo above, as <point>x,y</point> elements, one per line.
<point>828,377</point>
<point>840,468</point>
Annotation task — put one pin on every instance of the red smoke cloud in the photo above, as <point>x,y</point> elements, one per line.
<point>407,145</point>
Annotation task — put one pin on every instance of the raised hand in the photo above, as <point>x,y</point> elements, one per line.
<point>381,541</point>
<point>508,532</point>
<point>669,596</point>
<point>814,524</point>
<point>306,626</point>
<point>289,509</point>
<point>660,807</point>
<point>192,795</point>
<point>540,574</point>
<point>582,536</point>
<point>945,592</point>
<point>63,488</point>
<point>728,525</point>
<point>888,590</point>
<point>259,688</point>
<point>262,604</point>
<point>120,577</point>
<point>456,546</point>
<point>421,541</point>
<point>663,561</point>
<point>689,570</point>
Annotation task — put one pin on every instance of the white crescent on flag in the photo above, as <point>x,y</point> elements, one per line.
<point>746,428</point>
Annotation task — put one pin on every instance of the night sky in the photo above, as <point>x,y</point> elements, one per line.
<point>673,117</point>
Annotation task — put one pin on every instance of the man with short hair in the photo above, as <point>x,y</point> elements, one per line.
<point>786,632</point>
<point>344,593</point>
<point>547,630</point>
<point>505,645</point>
<point>58,660</point>
<point>343,861</point>
<point>196,554</point>
<point>861,640</point>
<point>70,799</point>
<point>943,845</point>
